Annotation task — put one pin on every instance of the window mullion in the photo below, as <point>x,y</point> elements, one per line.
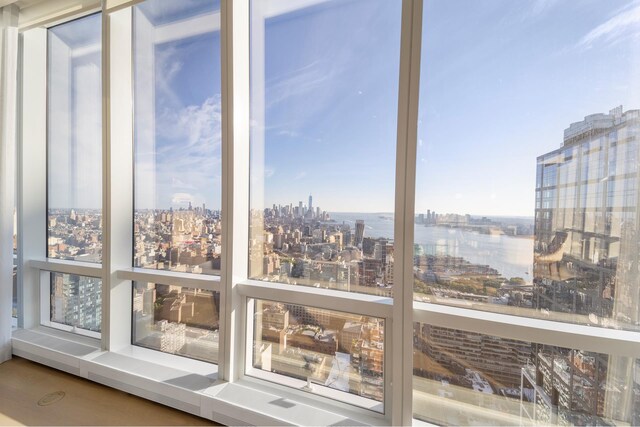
<point>32,161</point>
<point>402,329</point>
<point>235,182</point>
<point>117,157</point>
<point>8,74</point>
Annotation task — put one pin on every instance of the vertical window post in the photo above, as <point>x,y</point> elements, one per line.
<point>32,159</point>
<point>235,181</point>
<point>402,333</point>
<point>118,177</point>
<point>8,100</point>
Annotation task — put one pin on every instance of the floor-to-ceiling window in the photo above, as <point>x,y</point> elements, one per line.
<point>388,211</point>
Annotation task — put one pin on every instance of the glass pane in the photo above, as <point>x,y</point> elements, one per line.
<point>177,135</point>
<point>325,352</point>
<point>177,320</point>
<point>467,378</point>
<point>15,231</point>
<point>76,301</point>
<point>14,309</point>
<point>14,306</point>
<point>324,88</point>
<point>527,178</point>
<point>74,155</point>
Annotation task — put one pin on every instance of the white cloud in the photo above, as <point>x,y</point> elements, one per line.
<point>299,82</point>
<point>160,9</point>
<point>181,198</point>
<point>198,125</point>
<point>540,6</point>
<point>299,176</point>
<point>625,23</point>
<point>288,133</point>
<point>167,68</point>
<point>178,183</point>
<point>269,172</point>
<point>186,163</point>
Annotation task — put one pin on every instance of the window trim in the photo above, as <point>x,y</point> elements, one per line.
<point>407,141</point>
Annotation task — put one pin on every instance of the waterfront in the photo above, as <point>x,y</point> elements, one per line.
<point>511,256</point>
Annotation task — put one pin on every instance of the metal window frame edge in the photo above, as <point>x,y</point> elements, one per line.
<point>408,103</point>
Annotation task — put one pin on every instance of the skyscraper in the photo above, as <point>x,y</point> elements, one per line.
<point>359,232</point>
<point>311,204</point>
<point>586,219</point>
<point>76,301</point>
<point>586,263</point>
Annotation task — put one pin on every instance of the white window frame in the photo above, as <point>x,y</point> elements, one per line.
<point>8,162</point>
<point>113,359</point>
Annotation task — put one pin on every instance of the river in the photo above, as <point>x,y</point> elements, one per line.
<point>511,256</point>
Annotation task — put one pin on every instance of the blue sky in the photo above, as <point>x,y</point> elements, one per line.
<point>500,81</point>
<point>178,104</point>
<point>331,78</point>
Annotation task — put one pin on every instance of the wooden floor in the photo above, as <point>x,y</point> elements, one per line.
<point>29,396</point>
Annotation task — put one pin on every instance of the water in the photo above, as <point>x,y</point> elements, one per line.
<point>511,256</point>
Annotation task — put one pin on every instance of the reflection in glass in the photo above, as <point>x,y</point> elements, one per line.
<point>586,244</point>
<point>74,138</point>
<point>324,82</point>
<point>176,320</point>
<point>325,348</point>
<point>177,135</point>
<point>467,378</point>
<point>76,301</point>
<point>14,306</point>
<point>15,231</point>
<point>496,229</point>
<point>14,309</point>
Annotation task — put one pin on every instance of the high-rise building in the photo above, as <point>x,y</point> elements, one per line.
<point>76,301</point>
<point>586,262</point>
<point>310,204</point>
<point>586,221</point>
<point>359,232</point>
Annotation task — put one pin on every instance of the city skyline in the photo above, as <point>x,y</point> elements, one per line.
<point>182,208</point>
<point>342,145</point>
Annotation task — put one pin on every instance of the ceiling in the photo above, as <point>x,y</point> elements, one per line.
<point>21,3</point>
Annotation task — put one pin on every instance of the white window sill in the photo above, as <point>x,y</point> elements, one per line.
<point>185,384</point>
<point>317,389</point>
